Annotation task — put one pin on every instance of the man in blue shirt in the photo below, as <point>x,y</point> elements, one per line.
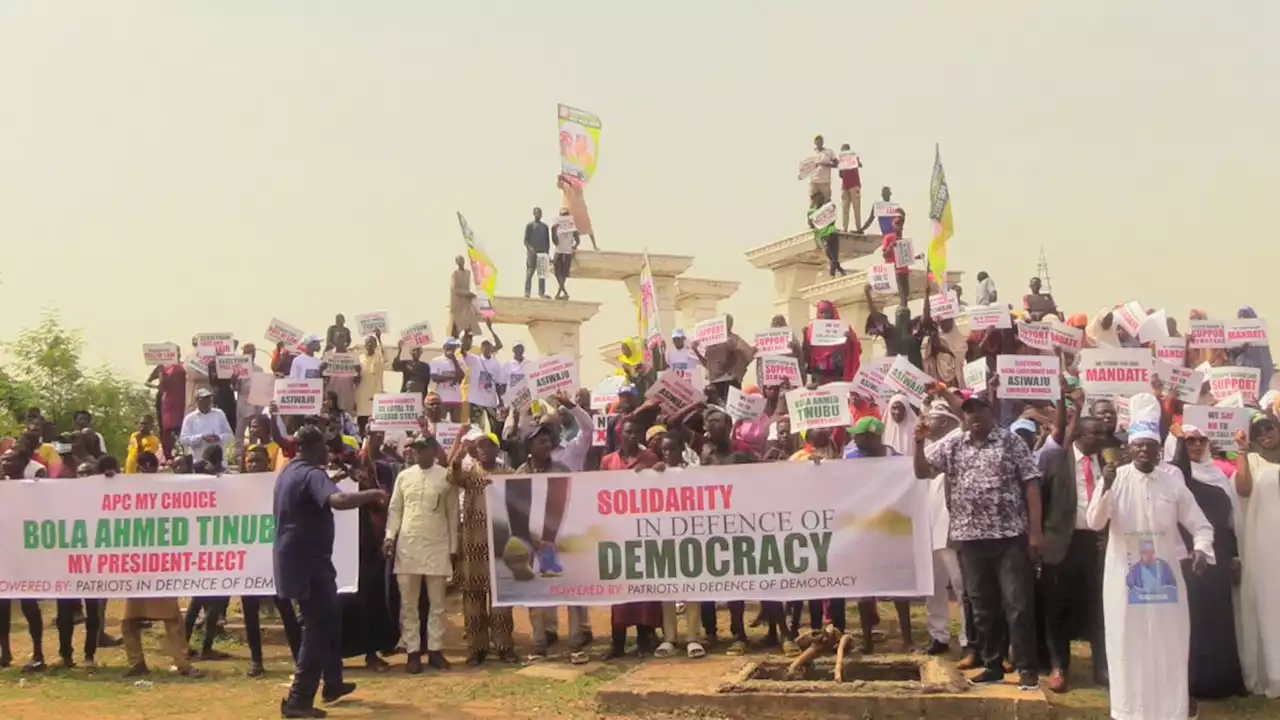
<point>305,498</point>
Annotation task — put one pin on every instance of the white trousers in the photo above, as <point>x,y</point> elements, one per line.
<point>410,591</point>
<point>546,619</point>
<point>671,622</point>
<point>946,570</point>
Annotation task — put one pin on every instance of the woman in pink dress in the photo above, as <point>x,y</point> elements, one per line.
<point>172,402</point>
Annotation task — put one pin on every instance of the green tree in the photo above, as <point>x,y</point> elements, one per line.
<point>45,370</point>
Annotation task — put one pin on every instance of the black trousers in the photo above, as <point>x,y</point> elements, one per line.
<point>320,654</point>
<point>1072,596</point>
<point>253,625</point>
<point>530,268</point>
<point>66,622</point>
<point>831,244</point>
<point>998,575</point>
<point>737,627</point>
<point>214,609</point>
<point>816,620</point>
<point>35,626</point>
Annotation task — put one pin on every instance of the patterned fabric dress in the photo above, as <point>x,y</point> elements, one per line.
<point>483,623</point>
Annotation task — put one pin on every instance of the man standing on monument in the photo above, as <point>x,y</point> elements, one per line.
<point>850,193</point>
<point>820,182</point>
<point>883,211</point>
<point>537,241</point>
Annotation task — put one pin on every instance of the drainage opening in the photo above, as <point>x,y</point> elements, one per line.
<point>898,671</point>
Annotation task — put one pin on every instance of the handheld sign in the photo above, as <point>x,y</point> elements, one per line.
<point>848,160</point>
<point>975,375</point>
<point>1246,331</point>
<point>1171,350</point>
<point>338,364</point>
<point>280,331</point>
<point>881,278</point>
<point>712,332</point>
<point>1218,424</point>
<point>219,342</point>
<point>909,380</point>
<point>828,333</point>
<point>299,397</point>
<point>396,411</point>
<point>1226,380</point>
<point>1130,316</point>
<point>1064,336</point>
<point>1028,377</point>
<point>600,431</point>
<point>869,382</point>
<point>1185,380</point>
<point>160,353</point>
<point>233,367</point>
<point>417,335</point>
<point>1155,327</point>
<point>944,306</point>
<point>672,392</point>
<point>824,216</point>
<point>818,409</point>
<point>985,317</point>
<point>775,369</point>
<point>198,365</point>
<point>1207,335</point>
<point>744,407</point>
<point>903,253</point>
<point>1115,372</point>
<point>518,396</point>
<point>372,322</point>
<point>553,375</point>
<point>775,341</point>
<point>607,392</point>
<point>1035,335</point>
<point>808,167</point>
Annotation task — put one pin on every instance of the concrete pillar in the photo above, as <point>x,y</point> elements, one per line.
<point>788,281</point>
<point>557,337</point>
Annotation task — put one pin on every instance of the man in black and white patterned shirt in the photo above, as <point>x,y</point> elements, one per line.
<point>994,500</point>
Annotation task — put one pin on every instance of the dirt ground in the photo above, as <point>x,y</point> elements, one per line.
<point>493,691</point>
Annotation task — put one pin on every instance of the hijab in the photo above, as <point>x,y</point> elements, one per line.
<point>901,436</point>
<point>1255,447</point>
<point>1256,356</point>
<point>1205,470</point>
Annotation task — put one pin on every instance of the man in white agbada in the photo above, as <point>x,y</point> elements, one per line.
<point>1144,600</point>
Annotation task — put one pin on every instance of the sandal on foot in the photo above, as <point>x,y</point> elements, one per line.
<point>579,657</point>
<point>537,656</point>
<point>736,648</point>
<point>664,650</point>
<point>695,650</point>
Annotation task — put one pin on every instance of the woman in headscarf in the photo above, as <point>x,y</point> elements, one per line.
<point>1255,356</point>
<point>1214,660</point>
<point>900,428</point>
<point>752,435</point>
<point>831,363</point>
<point>1258,484</point>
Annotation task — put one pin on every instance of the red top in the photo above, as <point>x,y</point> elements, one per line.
<point>849,179</point>
<point>615,461</point>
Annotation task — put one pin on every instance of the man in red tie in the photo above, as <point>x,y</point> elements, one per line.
<point>1070,588</point>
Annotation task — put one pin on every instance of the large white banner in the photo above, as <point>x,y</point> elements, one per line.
<point>149,536</point>
<point>777,531</point>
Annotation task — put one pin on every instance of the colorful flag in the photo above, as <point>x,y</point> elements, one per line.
<point>483,272</point>
<point>649,328</point>
<point>940,214</point>
<point>579,142</point>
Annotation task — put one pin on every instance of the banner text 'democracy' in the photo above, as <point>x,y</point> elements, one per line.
<point>749,532</point>
<point>148,536</point>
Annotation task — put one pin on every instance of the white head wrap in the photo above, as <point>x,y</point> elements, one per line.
<point>1144,417</point>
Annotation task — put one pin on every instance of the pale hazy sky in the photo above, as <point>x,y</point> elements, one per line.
<point>169,167</point>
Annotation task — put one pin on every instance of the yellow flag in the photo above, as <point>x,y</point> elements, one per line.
<point>483,272</point>
<point>940,214</point>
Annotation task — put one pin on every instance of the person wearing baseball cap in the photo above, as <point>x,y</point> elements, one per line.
<point>307,366</point>
<point>447,372</point>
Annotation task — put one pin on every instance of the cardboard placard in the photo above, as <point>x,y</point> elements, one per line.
<point>543,267</point>
<point>338,364</point>
<point>553,375</point>
<point>818,409</point>
<point>828,333</point>
<point>1207,335</point>
<point>1064,336</point>
<point>233,367</point>
<point>975,375</point>
<point>372,322</point>
<point>743,407</point>
<point>903,253</point>
<point>219,342</point>
<point>848,160</point>
<point>1185,380</point>
<point>160,353</point>
<point>197,365</point>
<point>905,378</point>
<point>774,341</point>
<point>446,435</point>
<point>1154,328</point>
<point>824,216</point>
<point>1115,372</point>
<point>775,369</point>
<point>807,168</point>
<point>1171,350</point>
<point>299,397</point>
<point>1226,380</point>
<point>1036,335</point>
<point>1246,331</point>
<point>600,430</point>
<point>280,331</point>
<point>417,335</point>
<point>709,333</point>
<point>607,392</point>
<point>869,382</point>
<point>520,395</point>
<point>1130,316</point>
<point>1218,424</point>
<point>396,411</point>
<point>672,392</point>
<point>985,317</point>
<point>944,306</point>
<point>1028,377</point>
<point>881,278</point>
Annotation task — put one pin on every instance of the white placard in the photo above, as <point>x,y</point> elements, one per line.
<point>299,397</point>
<point>827,333</point>
<point>160,353</point>
<point>1028,377</point>
<point>985,317</point>
<point>1218,424</point>
<point>543,265</point>
<point>396,411</point>
<point>1115,372</point>
<point>774,341</point>
<point>520,396</point>
<point>1155,327</point>
<point>1207,335</point>
<point>553,375</point>
<point>1185,380</point>
<point>233,367</point>
<point>1171,350</point>
<point>975,375</point>
<point>905,378</point>
<point>869,381</point>
<point>881,278</point>
<point>417,335</point>
<point>903,254</point>
<point>848,160</point>
<point>1036,335</point>
<point>776,369</point>
<point>743,407</point>
<point>219,342</point>
<point>807,168</point>
<point>1226,380</point>
<point>1246,331</point>
<point>280,331</point>
<point>600,429</point>
<point>711,332</point>
<point>818,409</point>
<point>672,392</point>
<point>824,216</point>
<point>372,322</point>
<point>1130,316</point>
<point>1064,336</point>
<point>338,364</point>
<point>607,392</point>
<point>944,306</point>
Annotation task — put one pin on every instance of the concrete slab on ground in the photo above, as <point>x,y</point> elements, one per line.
<point>560,671</point>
